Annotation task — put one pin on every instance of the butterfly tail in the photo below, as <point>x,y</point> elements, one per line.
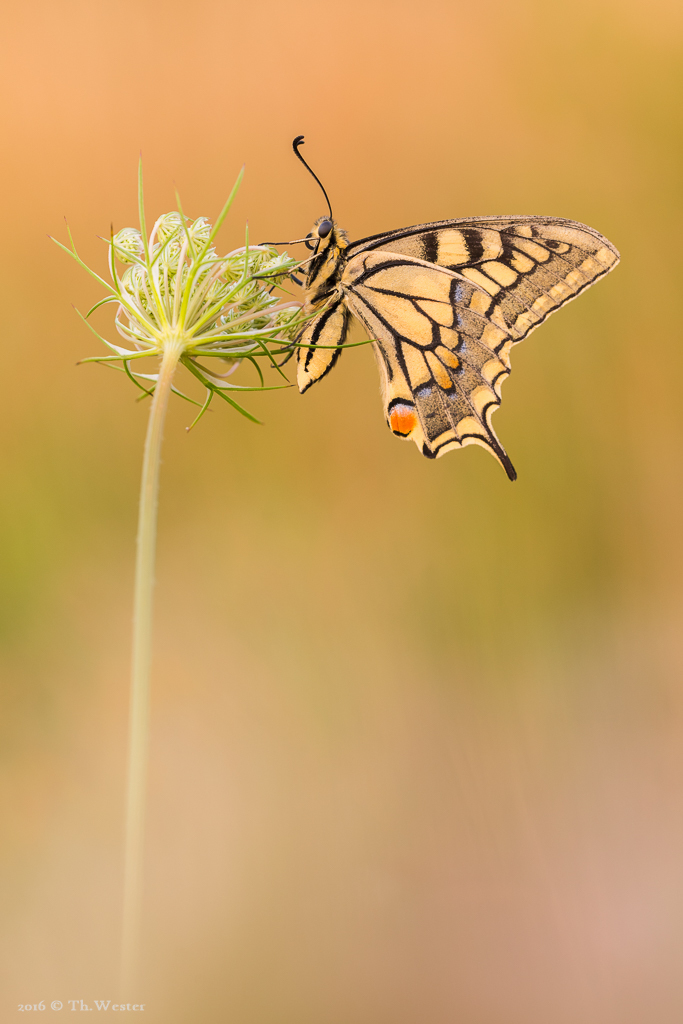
<point>449,420</point>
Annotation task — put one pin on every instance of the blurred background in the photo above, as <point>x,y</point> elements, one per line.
<point>417,738</point>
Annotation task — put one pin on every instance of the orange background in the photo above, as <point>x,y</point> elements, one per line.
<point>417,732</point>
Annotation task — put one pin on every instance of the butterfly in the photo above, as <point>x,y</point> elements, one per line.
<point>443,303</point>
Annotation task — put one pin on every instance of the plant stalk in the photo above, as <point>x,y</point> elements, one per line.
<point>138,735</point>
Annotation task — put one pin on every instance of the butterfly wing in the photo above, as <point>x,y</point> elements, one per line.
<point>319,343</point>
<point>529,266</point>
<point>441,361</point>
<point>445,303</point>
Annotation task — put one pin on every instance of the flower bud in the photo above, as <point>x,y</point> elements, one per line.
<point>200,230</point>
<point>170,224</point>
<point>127,243</point>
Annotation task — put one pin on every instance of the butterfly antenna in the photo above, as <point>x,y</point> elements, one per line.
<point>299,141</point>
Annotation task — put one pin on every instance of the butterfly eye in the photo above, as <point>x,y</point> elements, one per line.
<point>324,228</point>
<point>306,242</point>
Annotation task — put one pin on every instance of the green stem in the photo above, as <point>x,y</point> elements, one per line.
<point>140,676</point>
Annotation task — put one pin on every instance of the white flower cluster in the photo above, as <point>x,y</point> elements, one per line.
<point>178,288</point>
<point>179,300</point>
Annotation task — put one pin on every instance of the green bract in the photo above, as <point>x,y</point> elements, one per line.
<point>175,291</point>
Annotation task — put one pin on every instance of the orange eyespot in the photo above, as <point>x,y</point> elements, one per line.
<point>402,419</point>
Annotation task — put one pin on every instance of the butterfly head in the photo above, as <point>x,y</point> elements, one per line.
<point>324,226</point>
<point>326,235</point>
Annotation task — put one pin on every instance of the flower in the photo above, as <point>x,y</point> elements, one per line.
<point>177,291</point>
